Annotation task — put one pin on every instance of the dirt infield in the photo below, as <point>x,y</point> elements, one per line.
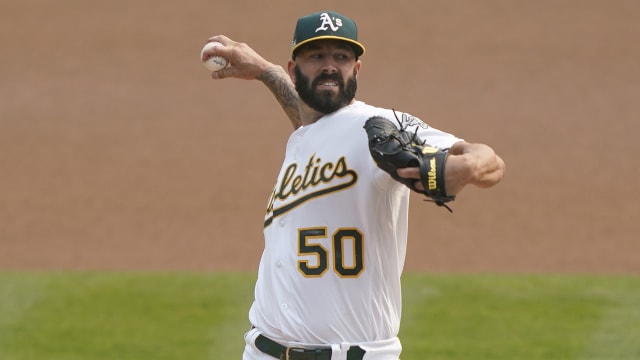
<point>117,151</point>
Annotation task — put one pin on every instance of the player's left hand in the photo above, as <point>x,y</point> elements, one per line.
<point>395,148</point>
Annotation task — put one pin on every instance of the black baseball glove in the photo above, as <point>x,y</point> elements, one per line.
<point>394,148</point>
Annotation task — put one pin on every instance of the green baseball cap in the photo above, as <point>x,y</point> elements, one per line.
<point>326,25</point>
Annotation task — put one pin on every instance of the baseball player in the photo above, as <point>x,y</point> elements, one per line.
<point>335,228</point>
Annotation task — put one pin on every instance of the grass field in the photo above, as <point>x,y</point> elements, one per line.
<point>112,315</point>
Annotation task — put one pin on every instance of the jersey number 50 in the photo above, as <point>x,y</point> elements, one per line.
<point>346,241</point>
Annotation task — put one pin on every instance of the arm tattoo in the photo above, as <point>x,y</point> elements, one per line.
<point>283,89</point>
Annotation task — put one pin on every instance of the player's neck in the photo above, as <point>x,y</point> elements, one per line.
<point>309,116</point>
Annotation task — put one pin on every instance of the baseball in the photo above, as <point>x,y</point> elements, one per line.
<point>213,63</point>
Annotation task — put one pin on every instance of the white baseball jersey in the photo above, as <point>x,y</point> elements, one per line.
<point>335,235</point>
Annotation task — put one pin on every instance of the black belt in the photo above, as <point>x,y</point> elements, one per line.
<point>282,352</point>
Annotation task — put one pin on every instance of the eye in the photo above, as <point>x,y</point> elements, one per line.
<point>342,57</point>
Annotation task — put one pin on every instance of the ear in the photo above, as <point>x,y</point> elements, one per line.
<point>290,67</point>
<point>358,64</point>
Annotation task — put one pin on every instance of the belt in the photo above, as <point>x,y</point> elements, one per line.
<point>282,352</point>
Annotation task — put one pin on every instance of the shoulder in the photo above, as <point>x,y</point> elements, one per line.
<point>433,136</point>
<point>359,111</point>
<point>400,118</point>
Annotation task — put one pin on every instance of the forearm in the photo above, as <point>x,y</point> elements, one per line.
<point>475,164</point>
<point>281,86</point>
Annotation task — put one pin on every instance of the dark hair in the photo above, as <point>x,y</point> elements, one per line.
<point>353,47</point>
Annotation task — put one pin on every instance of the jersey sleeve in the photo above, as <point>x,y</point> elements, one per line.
<point>430,135</point>
<point>438,138</point>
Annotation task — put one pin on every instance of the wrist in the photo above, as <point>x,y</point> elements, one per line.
<point>268,71</point>
<point>458,173</point>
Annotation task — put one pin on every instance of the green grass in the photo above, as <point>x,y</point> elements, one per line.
<point>122,315</point>
<point>521,317</point>
<point>112,315</point>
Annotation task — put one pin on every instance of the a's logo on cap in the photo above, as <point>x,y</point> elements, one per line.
<point>327,23</point>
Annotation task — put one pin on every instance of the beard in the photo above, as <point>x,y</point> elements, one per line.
<point>325,102</point>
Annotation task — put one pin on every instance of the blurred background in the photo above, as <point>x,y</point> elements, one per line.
<point>118,151</point>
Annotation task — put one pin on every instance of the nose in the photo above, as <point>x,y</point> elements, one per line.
<point>329,65</point>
